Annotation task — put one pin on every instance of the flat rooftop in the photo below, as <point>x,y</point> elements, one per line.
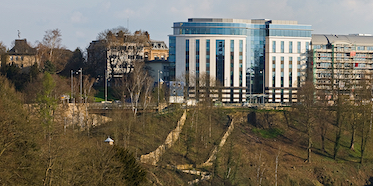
<point>250,21</point>
<point>356,39</point>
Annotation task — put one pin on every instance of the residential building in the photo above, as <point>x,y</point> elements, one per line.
<point>157,50</point>
<point>113,57</point>
<point>340,62</point>
<point>22,55</point>
<point>231,60</point>
<point>117,56</point>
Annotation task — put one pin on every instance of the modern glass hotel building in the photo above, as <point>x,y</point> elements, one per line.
<point>233,60</point>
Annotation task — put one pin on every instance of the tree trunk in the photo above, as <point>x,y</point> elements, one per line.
<point>338,134</point>
<point>309,150</point>
<point>352,145</point>
<point>323,142</point>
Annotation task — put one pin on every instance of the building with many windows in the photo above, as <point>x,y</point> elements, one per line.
<point>22,55</point>
<point>340,62</point>
<point>238,60</point>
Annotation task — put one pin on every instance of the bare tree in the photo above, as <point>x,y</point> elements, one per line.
<point>322,114</point>
<point>50,49</point>
<point>3,57</point>
<point>136,84</point>
<point>304,113</point>
<point>52,40</point>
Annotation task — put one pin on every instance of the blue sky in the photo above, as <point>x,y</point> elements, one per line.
<point>81,20</point>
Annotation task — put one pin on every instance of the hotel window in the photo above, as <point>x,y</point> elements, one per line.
<point>307,46</point>
<point>298,62</point>
<point>240,61</point>
<point>282,46</point>
<point>290,71</point>
<point>208,57</point>
<point>220,55</point>
<point>273,70</point>
<point>232,62</point>
<point>290,47</point>
<point>298,47</point>
<point>274,46</point>
<point>282,71</point>
<point>282,61</point>
<point>197,58</point>
<point>187,56</point>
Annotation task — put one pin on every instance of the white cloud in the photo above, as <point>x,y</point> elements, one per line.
<point>77,17</point>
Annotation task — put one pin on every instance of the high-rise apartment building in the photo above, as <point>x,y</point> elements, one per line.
<point>238,60</point>
<point>340,62</point>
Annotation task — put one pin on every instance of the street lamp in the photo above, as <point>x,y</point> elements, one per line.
<point>159,71</point>
<point>71,96</point>
<point>250,71</point>
<point>262,72</point>
<point>72,91</point>
<point>81,84</point>
<point>105,85</point>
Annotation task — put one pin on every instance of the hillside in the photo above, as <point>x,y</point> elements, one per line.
<point>250,152</point>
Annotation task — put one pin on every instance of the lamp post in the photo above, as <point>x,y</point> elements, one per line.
<point>262,72</point>
<point>105,85</point>
<point>159,71</point>
<point>81,84</point>
<point>250,76</point>
<point>71,96</point>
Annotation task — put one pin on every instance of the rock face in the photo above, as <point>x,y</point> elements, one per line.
<point>74,114</point>
<point>153,157</point>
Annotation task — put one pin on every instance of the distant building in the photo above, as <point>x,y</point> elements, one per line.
<point>157,50</point>
<point>238,60</point>
<point>118,58</point>
<point>22,55</point>
<point>340,62</point>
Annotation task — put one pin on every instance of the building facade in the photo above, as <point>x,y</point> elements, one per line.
<point>231,60</point>
<point>340,62</point>
<point>157,50</point>
<point>117,56</point>
<point>22,55</point>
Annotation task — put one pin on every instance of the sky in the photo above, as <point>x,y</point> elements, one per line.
<point>80,21</point>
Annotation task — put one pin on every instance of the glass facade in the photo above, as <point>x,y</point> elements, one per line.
<point>197,58</point>
<point>255,32</point>
<point>240,61</point>
<point>220,52</point>
<point>208,57</point>
<point>187,56</point>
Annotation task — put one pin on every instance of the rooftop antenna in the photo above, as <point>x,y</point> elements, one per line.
<point>128,20</point>
<point>19,34</point>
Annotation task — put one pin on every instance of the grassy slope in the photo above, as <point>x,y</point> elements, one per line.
<point>252,152</point>
<point>246,151</point>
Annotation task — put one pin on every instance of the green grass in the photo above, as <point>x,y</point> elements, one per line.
<point>100,96</point>
<point>268,133</point>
